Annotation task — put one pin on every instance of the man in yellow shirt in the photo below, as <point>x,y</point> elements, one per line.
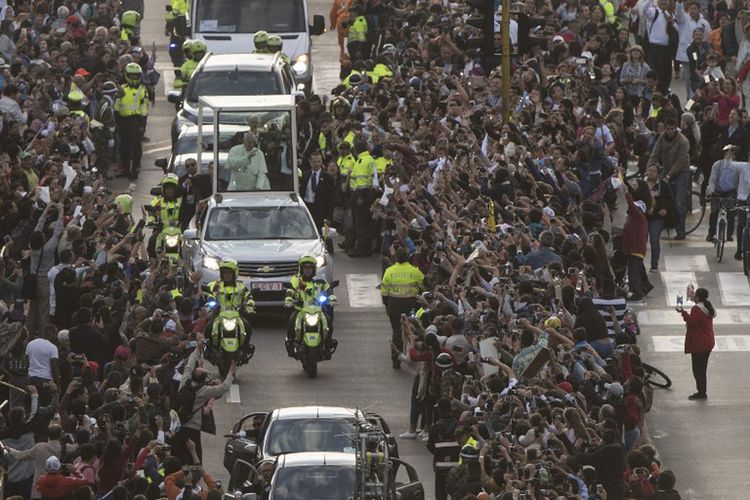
<point>402,282</point>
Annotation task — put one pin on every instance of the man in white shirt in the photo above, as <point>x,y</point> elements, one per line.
<point>687,23</point>
<point>43,358</point>
<point>657,20</point>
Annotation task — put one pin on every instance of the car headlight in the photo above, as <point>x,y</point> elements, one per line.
<point>211,263</point>
<point>229,324</point>
<point>320,261</point>
<point>301,64</point>
<point>311,319</point>
<point>172,241</point>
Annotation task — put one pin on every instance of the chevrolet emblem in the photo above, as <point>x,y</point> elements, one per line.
<point>265,269</point>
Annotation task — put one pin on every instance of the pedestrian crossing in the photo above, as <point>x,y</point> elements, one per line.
<point>363,292</point>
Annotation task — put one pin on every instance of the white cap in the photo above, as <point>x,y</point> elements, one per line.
<point>52,464</point>
<point>171,325</point>
<point>548,212</point>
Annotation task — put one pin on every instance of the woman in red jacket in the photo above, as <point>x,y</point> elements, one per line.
<point>699,338</point>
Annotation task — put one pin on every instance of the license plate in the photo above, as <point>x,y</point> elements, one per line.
<point>264,286</point>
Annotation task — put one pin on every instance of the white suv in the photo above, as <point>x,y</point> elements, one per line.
<point>231,75</point>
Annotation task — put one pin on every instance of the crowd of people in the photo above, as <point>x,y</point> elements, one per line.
<point>105,394</point>
<point>511,249</point>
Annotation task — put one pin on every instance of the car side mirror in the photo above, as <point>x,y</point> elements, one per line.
<point>174,96</point>
<point>162,163</point>
<point>318,26</point>
<point>190,234</point>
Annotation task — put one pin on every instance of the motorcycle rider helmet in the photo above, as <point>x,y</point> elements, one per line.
<point>130,19</point>
<point>260,39</point>
<point>444,360</point>
<point>75,95</point>
<point>229,265</point>
<point>169,185</point>
<point>125,202</point>
<point>133,72</point>
<point>274,43</point>
<point>199,47</point>
<point>308,262</point>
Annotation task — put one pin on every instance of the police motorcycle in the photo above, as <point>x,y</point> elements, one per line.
<point>227,329</point>
<point>163,216</point>
<point>309,339</point>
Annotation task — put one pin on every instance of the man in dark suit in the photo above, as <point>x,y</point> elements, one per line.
<point>738,135</point>
<point>317,190</point>
<point>194,187</point>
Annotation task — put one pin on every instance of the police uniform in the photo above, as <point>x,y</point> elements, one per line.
<point>357,44</point>
<point>131,110</point>
<point>186,71</point>
<point>232,297</point>
<point>362,180</point>
<point>401,283</point>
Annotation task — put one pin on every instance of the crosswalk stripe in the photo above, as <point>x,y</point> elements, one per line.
<point>724,343</point>
<point>669,317</point>
<point>675,283</point>
<point>362,291</point>
<point>694,263</point>
<point>734,289</point>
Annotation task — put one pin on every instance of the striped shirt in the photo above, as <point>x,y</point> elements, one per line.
<point>603,305</point>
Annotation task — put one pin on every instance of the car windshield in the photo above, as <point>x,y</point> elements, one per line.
<point>315,482</point>
<point>234,83</point>
<point>311,434</point>
<point>249,16</point>
<point>263,223</point>
<point>188,144</point>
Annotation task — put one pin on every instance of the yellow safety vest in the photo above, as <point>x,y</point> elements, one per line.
<point>346,163</point>
<point>358,30</point>
<point>402,281</point>
<point>179,7</point>
<point>373,76</point>
<point>82,114</point>
<point>381,164</point>
<point>322,143</point>
<point>609,11</point>
<point>350,138</point>
<point>134,101</point>
<point>469,442</point>
<point>363,172</point>
<point>169,211</point>
<point>382,71</point>
<point>237,297</point>
<point>186,71</point>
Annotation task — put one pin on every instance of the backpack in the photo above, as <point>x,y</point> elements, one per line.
<point>185,403</point>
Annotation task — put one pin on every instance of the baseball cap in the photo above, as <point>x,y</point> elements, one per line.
<point>52,464</point>
<point>615,388</point>
<point>170,326</point>
<point>82,72</point>
<point>565,386</point>
<point>122,352</point>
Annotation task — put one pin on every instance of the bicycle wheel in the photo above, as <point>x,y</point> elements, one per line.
<point>695,214</point>
<point>656,377</point>
<point>720,239</point>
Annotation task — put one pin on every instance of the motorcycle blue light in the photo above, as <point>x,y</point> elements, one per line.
<point>322,299</point>
<point>210,304</point>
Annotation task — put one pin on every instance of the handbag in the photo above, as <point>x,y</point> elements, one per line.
<point>28,288</point>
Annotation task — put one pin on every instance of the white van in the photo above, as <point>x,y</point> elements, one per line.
<point>228,26</point>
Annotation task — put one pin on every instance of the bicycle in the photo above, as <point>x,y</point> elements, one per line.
<point>656,377</point>
<point>721,226</point>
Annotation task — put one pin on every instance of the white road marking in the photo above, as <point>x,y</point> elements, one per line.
<point>734,288</point>
<point>670,317</point>
<point>675,283</point>
<point>694,263</point>
<point>724,343</point>
<point>233,396</point>
<point>362,291</point>
<point>167,75</point>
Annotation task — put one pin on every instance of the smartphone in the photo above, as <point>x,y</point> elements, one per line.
<point>689,104</point>
<point>572,271</point>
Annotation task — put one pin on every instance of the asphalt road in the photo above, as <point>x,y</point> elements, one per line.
<point>705,443</point>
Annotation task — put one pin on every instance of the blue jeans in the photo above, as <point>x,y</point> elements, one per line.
<point>603,347</point>
<point>655,227</point>
<point>680,184</point>
<point>631,438</point>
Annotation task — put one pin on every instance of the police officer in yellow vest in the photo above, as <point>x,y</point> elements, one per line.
<point>381,69</point>
<point>229,292</point>
<point>164,210</point>
<point>382,162</point>
<point>131,109</point>
<point>346,160</point>
<point>363,181</point>
<point>75,105</point>
<point>358,44</point>
<point>197,49</point>
<point>402,282</point>
<point>176,17</point>
<point>129,27</point>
